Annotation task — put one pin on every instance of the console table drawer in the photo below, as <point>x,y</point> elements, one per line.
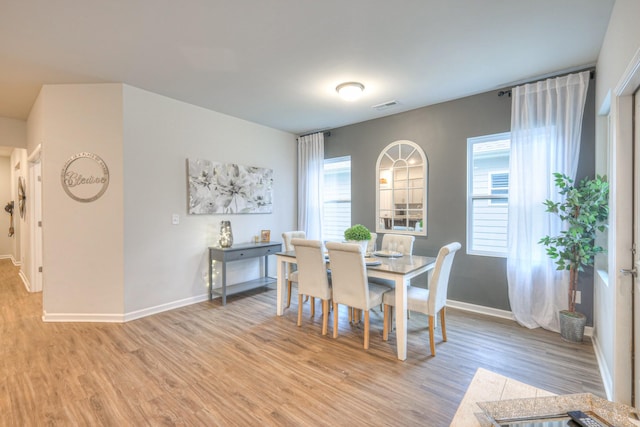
<point>248,253</point>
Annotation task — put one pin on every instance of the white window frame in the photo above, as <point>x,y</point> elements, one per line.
<point>471,196</point>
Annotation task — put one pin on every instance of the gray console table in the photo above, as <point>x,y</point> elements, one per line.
<point>236,253</point>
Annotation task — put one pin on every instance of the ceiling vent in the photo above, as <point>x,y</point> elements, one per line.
<point>385,105</point>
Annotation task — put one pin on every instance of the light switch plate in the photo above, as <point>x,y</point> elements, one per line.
<point>175,219</point>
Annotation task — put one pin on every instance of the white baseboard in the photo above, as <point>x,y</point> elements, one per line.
<point>21,274</point>
<point>607,380</point>
<point>494,312</point>
<point>13,260</point>
<point>122,318</point>
<point>24,279</point>
<point>82,317</point>
<point>165,307</point>
<point>480,309</point>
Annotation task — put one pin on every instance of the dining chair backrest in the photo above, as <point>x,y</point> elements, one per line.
<point>398,243</point>
<point>287,236</point>
<point>371,246</point>
<point>348,275</point>
<point>439,282</point>
<point>312,269</point>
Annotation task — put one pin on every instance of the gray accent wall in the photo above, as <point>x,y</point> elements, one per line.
<point>442,131</point>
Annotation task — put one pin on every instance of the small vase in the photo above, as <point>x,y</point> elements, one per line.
<point>226,235</point>
<point>364,244</point>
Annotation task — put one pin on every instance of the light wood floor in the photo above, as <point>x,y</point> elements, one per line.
<point>209,365</point>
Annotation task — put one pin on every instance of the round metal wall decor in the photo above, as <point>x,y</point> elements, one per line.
<point>85,177</point>
<point>22,196</point>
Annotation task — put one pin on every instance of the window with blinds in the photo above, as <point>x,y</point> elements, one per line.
<point>488,194</point>
<point>337,198</point>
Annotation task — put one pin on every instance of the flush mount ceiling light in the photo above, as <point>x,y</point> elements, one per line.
<point>350,91</point>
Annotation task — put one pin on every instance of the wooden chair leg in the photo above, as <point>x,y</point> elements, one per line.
<point>444,329</point>
<point>288,293</point>
<point>366,329</point>
<point>385,323</point>
<point>335,320</point>
<point>299,309</point>
<point>432,320</point>
<point>313,306</point>
<point>325,316</point>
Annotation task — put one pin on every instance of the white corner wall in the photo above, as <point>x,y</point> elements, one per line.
<point>621,43</point>
<point>165,264</point>
<point>82,242</point>
<point>120,257</point>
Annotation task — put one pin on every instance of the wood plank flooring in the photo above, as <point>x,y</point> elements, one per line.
<point>240,364</point>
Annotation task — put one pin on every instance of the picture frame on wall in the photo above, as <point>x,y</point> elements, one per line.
<point>228,188</point>
<point>265,236</point>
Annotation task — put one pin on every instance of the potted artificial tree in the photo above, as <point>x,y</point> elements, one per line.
<point>358,234</point>
<point>584,209</point>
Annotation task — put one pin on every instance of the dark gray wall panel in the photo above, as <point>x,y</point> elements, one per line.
<point>442,131</point>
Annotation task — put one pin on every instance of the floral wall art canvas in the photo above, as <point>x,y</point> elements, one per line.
<point>228,188</point>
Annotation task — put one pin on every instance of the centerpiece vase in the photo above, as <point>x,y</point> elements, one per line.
<point>226,234</point>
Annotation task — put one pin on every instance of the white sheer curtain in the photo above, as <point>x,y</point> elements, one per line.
<point>310,184</point>
<point>546,123</point>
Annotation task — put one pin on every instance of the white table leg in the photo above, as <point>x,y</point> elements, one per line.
<point>401,316</point>
<point>280,285</point>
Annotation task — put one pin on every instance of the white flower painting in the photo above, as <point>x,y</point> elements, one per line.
<point>228,188</point>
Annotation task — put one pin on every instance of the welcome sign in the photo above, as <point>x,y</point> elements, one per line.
<point>85,177</point>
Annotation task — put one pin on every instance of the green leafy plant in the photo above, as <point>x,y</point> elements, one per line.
<point>584,209</point>
<point>357,232</point>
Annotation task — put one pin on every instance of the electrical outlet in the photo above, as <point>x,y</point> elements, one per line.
<point>578,297</point>
<point>175,219</point>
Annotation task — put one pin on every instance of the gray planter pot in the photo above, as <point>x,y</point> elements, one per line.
<point>572,325</point>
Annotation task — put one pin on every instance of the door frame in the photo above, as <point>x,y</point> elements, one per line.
<point>35,219</point>
<point>621,229</point>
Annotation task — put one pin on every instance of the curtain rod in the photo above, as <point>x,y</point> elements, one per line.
<point>326,133</point>
<point>592,73</point>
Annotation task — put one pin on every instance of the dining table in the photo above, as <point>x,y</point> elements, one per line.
<point>398,268</point>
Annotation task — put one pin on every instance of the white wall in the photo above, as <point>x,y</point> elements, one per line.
<point>82,242</point>
<point>119,257</point>
<point>18,162</point>
<point>165,264</point>
<point>13,133</point>
<point>6,242</point>
<point>621,43</point>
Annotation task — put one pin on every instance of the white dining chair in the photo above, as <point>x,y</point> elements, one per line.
<point>371,246</point>
<point>349,283</point>
<point>397,243</point>
<point>312,277</point>
<point>427,301</point>
<point>292,274</point>
<point>394,243</point>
